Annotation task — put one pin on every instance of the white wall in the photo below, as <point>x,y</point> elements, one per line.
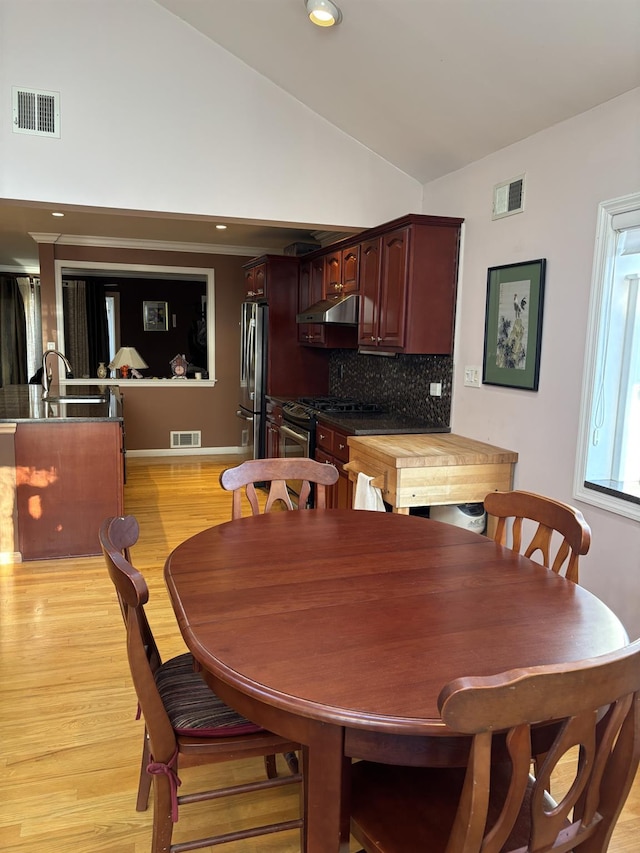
<point>154,116</point>
<point>570,169</point>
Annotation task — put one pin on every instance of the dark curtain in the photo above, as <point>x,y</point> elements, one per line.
<point>97,329</point>
<point>13,334</point>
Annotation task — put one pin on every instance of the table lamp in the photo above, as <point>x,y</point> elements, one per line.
<point>126,358</point>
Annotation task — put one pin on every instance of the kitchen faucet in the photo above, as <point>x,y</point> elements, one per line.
<point>46,378</point>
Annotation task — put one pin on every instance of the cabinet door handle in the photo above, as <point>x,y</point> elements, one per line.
<point>341,447</point>
<point>379,339</point>
<point>322,436</point>
<point>373,338</point>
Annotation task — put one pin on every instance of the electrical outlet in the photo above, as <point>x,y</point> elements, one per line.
<point>435,389</point>
<point>51,345</point>
<point>245,437</point>
<point>472,377</point>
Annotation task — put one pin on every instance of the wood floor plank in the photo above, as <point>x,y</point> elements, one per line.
<point>70,741</point>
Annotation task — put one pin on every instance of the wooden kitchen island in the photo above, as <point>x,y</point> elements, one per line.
<point>429,470</point>
<point>61,471</point>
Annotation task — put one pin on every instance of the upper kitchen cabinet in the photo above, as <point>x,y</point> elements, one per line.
<point>312,288</point>
<point>255,278</point>
<point>262,274</point>
<point>291,370</point>
<point>408,273</point>
<point>341,271</point>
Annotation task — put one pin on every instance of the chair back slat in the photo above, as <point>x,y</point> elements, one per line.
<point>595,706</point>
<point>549,517</point>
<point>243,478</point>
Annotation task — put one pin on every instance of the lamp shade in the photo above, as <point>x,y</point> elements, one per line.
<point>128,357</point>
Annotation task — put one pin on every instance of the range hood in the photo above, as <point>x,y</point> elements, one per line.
<point>341,308</point>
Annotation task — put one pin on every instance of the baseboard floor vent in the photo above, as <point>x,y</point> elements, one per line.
<point>186,439</point>
<point>508,198</point>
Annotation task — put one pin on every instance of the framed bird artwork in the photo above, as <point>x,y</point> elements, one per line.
<point>513,325</point>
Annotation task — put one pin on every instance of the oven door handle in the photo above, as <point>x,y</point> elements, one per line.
<point>292,433</point>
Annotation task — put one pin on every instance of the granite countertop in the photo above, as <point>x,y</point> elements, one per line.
<point>384,423</point>
<point>24,404</point>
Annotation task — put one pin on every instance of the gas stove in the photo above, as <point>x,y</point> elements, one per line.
<point>339,405</point>
<point>304,409</point>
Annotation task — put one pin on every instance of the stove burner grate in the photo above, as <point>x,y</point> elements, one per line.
<point>339,405</point>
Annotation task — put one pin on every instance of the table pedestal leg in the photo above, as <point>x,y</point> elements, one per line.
<point>326,794</point>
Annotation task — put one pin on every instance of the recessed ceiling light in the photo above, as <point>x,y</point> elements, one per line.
<point>323,13</point>
<point>221,227</point>
<point>57,214</point>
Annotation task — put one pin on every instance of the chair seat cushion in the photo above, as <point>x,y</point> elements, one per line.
<point>193,708</point>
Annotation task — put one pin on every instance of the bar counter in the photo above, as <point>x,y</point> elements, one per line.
<point>24,403</point>
<point>61,469</point>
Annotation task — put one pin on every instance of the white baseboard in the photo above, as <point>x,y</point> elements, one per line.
<point>191,451</point>
<point>7,557</point>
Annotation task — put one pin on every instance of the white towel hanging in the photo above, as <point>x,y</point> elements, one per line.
<point>367,496</point>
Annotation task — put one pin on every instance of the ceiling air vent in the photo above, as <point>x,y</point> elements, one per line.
<point>36,112</point>
<point>508,198</point>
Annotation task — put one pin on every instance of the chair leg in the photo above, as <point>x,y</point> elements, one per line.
<point>270,766</point>
<point>162,823</point>
<point>144,785</point>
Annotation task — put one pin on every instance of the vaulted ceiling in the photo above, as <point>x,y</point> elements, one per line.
<point>432,85</point>
<point>429,85</point>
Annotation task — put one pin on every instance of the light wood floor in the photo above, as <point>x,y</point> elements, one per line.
<point>70,743</point>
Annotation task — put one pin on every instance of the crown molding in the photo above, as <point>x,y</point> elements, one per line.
<point>151,245</point>
<point>44,238</point>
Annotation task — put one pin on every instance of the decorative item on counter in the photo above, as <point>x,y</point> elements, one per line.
<point>179,366</point>
<point>101,372</point>
<point>126,358</point>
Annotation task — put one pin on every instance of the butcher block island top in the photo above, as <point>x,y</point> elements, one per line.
<point>433,469</point>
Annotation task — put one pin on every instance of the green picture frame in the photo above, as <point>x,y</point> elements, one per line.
<point>513,325</point>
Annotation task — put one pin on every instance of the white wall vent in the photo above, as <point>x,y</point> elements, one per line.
<point>36,112</point>
<point>508,198</point>
<point>186,438</point>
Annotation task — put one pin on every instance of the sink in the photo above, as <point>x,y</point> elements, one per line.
<point>76,398</point>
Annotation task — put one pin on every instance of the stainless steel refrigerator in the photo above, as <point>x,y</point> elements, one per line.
<point>253,378</point>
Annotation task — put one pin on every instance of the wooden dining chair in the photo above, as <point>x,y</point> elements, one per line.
<point>184,719</point>
<point>277,472</point>
<point>494,804</point>
<point>550,516</point>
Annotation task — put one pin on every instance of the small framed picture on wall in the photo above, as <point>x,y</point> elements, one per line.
<point>513,325</point>
<point>155,316</point>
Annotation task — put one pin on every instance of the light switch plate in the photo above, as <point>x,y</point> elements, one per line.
<point>472,377</point>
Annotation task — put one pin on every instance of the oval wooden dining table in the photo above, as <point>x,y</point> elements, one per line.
<point>338,629</point>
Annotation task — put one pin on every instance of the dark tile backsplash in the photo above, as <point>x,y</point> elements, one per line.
<point>400,384</point>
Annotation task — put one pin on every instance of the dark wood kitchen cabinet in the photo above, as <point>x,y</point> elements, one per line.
<point>291,370</point>
<point>273,423</point>
<point>408,275</point>
<point>312,288</point>
<point>255,279</point>
<point>332,448</point>
<point>341,270</point>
